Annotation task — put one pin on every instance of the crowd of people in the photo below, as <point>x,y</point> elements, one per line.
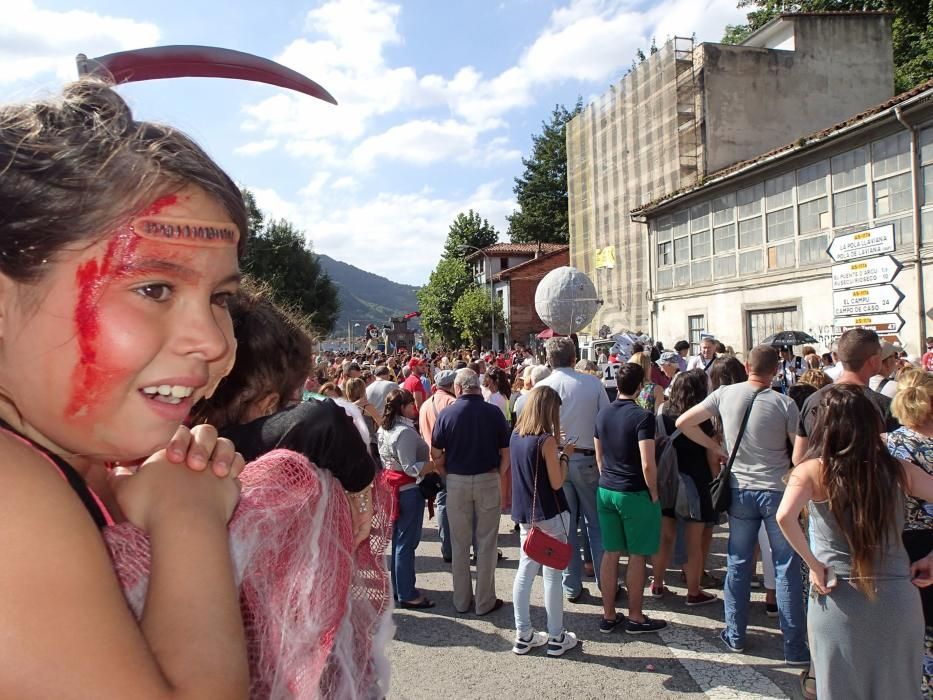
<point>188,484</point>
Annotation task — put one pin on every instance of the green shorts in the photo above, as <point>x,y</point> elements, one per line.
<point>630,522</point>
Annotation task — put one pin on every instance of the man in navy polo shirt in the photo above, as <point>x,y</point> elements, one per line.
<point>472,438</point>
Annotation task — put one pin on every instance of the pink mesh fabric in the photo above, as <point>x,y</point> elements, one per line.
<point>316,611</point>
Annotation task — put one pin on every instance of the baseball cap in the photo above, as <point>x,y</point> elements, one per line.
<point>888,350</point>
<point>668,358</point>
<point>445,377</point>
<point>414,362</point>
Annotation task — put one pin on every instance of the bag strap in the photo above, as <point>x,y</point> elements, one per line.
<point>727,470</point>
<point>662,428</point>
<point>534,487</point>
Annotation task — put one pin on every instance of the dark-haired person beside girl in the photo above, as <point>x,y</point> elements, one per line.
<point>405,458</point>
<point>865,619</point>
<point>687,390</point>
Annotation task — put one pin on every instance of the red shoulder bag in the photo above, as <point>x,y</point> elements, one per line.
<point>540,546</point>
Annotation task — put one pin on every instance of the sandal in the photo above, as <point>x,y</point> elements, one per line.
<point>808,684</point>
<point>422,604</point>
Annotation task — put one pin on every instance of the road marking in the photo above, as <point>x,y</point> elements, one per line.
<point>720,674</point>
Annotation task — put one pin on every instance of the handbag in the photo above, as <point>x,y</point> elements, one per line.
<point>720,489</point>
<point>539,545</point>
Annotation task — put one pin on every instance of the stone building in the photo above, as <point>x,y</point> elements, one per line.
<point>691,110</point>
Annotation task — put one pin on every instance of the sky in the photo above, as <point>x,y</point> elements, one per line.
<point>438,99</point>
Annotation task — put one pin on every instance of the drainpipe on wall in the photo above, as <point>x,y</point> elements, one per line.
<point>915,173</point>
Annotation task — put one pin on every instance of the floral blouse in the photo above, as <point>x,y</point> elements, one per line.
<point>911,446</point>
<point>646,398</point>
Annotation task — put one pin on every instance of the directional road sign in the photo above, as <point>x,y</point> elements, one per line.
<point>867,300</point>
<point>863,273</point>
<point>862,244</point>
<point>883,324</point>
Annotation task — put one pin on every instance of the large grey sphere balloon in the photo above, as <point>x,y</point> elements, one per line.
<point>566,300</point>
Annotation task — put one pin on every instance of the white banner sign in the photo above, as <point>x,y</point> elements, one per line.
<point>869,300</point>
<point>883,324</point>
<point>862,244</point>
<point>863,273</point>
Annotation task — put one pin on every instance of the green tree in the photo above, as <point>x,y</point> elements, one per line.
<point>541,191</point>
<point>472,314</point>
<point>449,281</point>
<point>470,230</point>
<point>278,254</point>
<point>912,32</point>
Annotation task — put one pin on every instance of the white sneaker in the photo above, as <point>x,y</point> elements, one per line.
<point>534,639</point>
<point>558,646</point>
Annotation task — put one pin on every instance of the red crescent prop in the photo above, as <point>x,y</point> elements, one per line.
<point>197,62</point>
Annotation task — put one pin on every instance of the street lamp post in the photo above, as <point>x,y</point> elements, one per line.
<point>492,301</point>
<point>356,324</point>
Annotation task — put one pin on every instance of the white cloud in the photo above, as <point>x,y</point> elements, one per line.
<point>396,235</point>
<point>255,148</point>
<point>35,42</point>
<point>347,182</point>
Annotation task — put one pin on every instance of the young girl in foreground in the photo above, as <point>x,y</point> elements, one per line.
<point>118,251</point>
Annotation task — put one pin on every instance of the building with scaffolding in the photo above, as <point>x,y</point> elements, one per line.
<point>693,109</point>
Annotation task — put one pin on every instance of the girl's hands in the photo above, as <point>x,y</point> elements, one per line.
<point>361,514</point>
<point>818,579</point>
<point>199,447</point>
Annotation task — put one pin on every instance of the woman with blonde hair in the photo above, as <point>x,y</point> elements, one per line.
<point>651,395</point>
<point>913,442</point>
<point>815,377</point>
<point>539,469</point>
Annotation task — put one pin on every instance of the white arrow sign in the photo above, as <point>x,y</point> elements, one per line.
<point>869,300</point>
<point>863,273</point>
<point>862,244</point>
<point>883,324</point>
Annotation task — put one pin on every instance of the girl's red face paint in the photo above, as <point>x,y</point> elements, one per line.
<point>128,313</point>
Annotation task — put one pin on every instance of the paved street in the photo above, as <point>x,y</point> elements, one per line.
<point>441,654</point>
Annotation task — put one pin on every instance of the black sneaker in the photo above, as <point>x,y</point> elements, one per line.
<point>648,625</point>
<point>771,609</point>
<point>729,645</point>
<point>607,626</point>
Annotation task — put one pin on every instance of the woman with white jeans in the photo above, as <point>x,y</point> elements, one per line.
<point>538,472</point>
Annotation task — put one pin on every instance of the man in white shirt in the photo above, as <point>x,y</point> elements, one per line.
<point>582,397</point>
<point>883,382</point>
<point>706,357</point>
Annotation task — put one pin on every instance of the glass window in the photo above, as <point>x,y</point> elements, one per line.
<point>681,249</point>
<point>665,254</point>
<point>724,238</point>
<point>926,223</point>
<point>850,207</point>
<point>750,262</point>
<point>890,155</point>
<point>750,233</point>
<point>811,181</point>
<point>779,191</point>
<point>699,217</point>
<point>697,327</point>
<point>893,194</point>
<point>849,169</point>
<point>724,209</point>
<point>664,228</point>
<point>749,200</point>
<point>813,250</point>
<point>682,275</point>
<point>702,271</point>
<point>701,245</point>
<point>680,223</point>
<point>928,184</point>
<point>813,215</point>
<point>666,278</point>
<point>781,256</point>
<point>903,230</point>
<point>724,266</point>
<point>926,145</point>
<point>781,224</point>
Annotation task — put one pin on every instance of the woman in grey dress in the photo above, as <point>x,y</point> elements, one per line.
<point>865,618</point>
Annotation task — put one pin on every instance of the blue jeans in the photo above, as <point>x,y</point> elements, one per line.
<point>580,491</point>
<point>557,527</point>
<point>443,527</point>
<point>748,511</point>
<point>406,535</point>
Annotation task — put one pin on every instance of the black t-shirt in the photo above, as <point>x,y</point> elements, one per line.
<point>320,430</point>
<point>620,426</point>
<point>691,457</point>
<point>810,406</point>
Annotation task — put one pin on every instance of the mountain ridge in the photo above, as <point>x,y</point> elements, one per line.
<point>366,297</point>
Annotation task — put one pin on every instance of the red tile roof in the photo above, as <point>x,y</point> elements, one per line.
<point>503,249</point>
<point>508,272</point>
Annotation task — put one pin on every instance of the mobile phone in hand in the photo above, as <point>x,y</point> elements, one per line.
<point>830,578</point>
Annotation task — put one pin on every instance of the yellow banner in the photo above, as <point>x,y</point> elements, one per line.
<point>605,257</point>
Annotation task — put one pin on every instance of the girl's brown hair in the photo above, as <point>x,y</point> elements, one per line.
<point>815,377</point>
<point>354,388</point>
<point>76,167</point>
<point>395,401</point>
<point>540,414</point>
<point>860,478</point>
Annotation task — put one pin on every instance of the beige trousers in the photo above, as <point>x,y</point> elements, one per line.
<point>469,499</point>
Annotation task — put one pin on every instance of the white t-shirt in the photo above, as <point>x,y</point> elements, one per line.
<point>889,389</point>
